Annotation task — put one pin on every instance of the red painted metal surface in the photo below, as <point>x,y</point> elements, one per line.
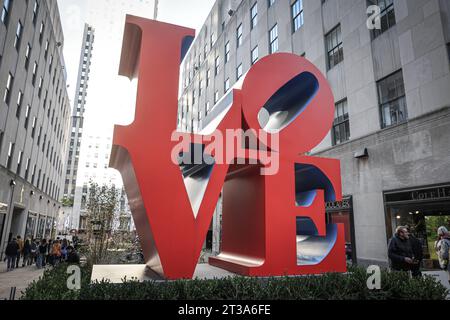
<point>259,216</point>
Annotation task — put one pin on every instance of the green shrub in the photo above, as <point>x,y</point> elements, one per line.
<point>351,286</point>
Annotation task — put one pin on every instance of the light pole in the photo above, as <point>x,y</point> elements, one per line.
<point>155,10</point>
<point>97,227</point>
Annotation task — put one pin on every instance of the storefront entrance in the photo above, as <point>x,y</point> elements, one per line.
<point>424,211</point>
<point>341,212</point>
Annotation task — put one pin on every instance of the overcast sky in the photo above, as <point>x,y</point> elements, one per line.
<point>111,98</point>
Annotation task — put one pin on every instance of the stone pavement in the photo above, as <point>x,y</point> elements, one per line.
<point>19,278</point>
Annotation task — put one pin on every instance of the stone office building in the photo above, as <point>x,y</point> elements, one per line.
<point>34,115</point>
<point>392,93</point>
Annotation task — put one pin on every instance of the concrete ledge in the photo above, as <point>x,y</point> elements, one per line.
<point>140,272</point>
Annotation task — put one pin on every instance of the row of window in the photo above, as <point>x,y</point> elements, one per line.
<point>392,104</point>
<point>333,44</point>
<point>23,168</point>
<point>46,185</point>
<point>297,22</point>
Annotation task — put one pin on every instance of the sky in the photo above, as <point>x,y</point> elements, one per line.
<point>110,97</point>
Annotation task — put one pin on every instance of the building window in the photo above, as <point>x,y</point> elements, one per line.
<point>213,39</point>
<point>9,84</point>
<point>391,95</point>
<point>27,115</point>
<point>33,128</point>
<point>216,65</point>
<point>208,77</point>
<point>239,36</point>
<point>33,78</point>
<point>41,82</point>
<point>5,11</point>
<point>273,39</point>
<point>335,50</point>
<point>19,163</point>
<point>227,52</point>
<point>27,169</point>
<point>10,155</point>
<point>47,44</point>
<point>227,85</point>
<point>27,56</point>
<point>254,16</point>
<point>216,96</point>
<point>239,72</point>
<point>35,11</point>
<point>254,55</point>
<point>387,15</point>
<point>18,35</point>
<point>297,14</point>
<point>341,125</point>
<point>41,32</point>
<point>19,104</point>
<point>271,2</point>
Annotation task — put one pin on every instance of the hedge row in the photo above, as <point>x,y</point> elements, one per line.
<point>351,286</point>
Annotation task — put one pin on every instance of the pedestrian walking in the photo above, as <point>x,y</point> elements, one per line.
<point>442,247</point>
<point>417,249</point>
<point>56,253</point>
<point>34,251</point>
<point>400,251</point>
<point>19,253</point>
<point>11,254</point>
<point>72,256</point>
<point>42,253</point>
<point>64,246</point>
<point>26,253</point>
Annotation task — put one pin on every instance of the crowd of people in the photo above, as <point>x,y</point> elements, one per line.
<point>41,253</point>
<point>406,252</point>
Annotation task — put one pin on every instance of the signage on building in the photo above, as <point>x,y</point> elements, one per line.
<point>270,217</point>
<point>345,204</point>
<point>420,195</point>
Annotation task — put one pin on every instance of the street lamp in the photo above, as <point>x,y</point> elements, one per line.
<point>96,227</point>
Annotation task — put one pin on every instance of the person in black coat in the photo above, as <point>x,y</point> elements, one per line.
<point>26,252</point>
<point>417,248</point>
<point>11,252</point>
<point>72,256</point>
<point>400,251</point>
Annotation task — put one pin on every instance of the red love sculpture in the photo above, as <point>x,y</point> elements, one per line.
<point>273,224</point>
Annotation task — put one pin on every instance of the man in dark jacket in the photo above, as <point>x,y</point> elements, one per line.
<point>11,254</point>
<point>72,256</point>
<point>400,251</point>
<point>417,248</point>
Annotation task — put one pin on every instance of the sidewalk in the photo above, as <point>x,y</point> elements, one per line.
<point>19,278</point>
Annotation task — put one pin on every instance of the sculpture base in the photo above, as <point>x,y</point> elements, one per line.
<point>140,272</point>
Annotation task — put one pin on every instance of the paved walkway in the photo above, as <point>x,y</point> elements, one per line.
<point>19,278</point>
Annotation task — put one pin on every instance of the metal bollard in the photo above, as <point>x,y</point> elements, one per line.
<point>12,295</point>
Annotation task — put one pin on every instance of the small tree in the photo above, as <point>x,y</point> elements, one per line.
<point>101,207</point>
